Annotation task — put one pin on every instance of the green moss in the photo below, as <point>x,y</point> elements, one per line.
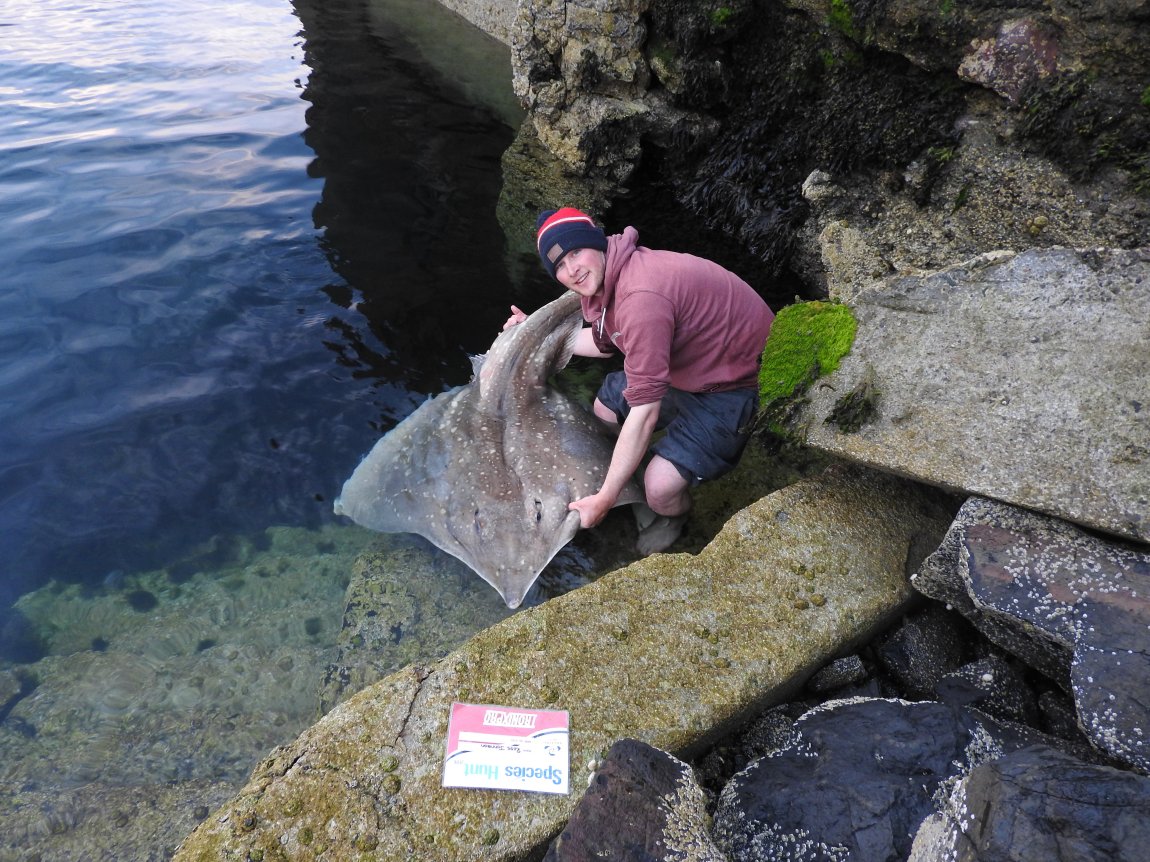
<point>1146,98</point>
<point>807,341</point>
<point>841,18</point>
<point>720,16</point>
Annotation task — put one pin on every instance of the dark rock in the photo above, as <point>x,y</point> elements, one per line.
<point>768,734</point>
<point>1072,605</point>
<point>20,641</point>
<point>841,672</point>
<point>1040,805</point>
<point>922,650</point>
<point>995,686</point>
<point>642,805</point>
<point>1059,716</point>
<point>859,780</point>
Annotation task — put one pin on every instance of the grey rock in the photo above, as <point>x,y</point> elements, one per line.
<point>858,782</point>
<point>640,804</point>
<point>1040,805</point>
<point>1070,604</point>
<point>1014,376</point>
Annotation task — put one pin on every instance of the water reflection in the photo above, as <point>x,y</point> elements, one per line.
<point>411,176</point>
<point>213,303</point>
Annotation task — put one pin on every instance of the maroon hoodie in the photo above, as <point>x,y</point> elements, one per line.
<point>678,320</point>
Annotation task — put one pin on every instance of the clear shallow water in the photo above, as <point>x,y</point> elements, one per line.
<point>237,240</point>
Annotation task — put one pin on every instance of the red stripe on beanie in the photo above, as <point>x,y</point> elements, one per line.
<point>565,215</point>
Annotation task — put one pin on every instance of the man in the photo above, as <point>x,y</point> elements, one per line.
<point>691,334</point>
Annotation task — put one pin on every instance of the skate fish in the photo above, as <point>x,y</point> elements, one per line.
<point>485,471</point>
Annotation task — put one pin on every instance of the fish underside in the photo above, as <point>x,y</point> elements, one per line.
<point>486,471</point>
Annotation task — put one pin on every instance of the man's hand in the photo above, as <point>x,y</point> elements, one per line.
<point>516,318</point>
<point>592,509</point>
<point>634,435</point>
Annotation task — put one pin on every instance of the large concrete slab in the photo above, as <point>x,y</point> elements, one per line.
<point>1022,377</point>
<point>674,650</point>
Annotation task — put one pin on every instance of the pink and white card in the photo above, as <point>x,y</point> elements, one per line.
<point>507,748</point>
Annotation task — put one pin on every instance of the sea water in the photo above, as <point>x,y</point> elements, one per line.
<point>234,248</point>
<point>238,241</point>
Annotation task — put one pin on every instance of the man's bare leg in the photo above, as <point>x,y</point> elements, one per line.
<point>661,518</point>
<point>669,501</point>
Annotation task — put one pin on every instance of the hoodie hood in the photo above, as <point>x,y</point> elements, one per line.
<point>620,247</point>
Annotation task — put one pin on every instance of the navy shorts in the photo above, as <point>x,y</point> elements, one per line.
<point>706,432</point>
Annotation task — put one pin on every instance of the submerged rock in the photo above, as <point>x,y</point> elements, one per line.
<point>405,602</point>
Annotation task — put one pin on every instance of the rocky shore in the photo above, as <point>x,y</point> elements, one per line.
<point>933,649</point>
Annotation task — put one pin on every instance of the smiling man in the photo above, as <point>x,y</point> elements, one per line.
<point>691,334</point>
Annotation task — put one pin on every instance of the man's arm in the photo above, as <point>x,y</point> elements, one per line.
<point>634,438</point>
<point>585,345</point>
<point>584,341</point>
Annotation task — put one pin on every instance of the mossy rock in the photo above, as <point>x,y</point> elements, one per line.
<point>807,341</point>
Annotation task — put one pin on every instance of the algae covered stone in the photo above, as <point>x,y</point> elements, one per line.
<point>807,341</point>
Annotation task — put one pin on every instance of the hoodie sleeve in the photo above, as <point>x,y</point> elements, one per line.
<point>647,358</point>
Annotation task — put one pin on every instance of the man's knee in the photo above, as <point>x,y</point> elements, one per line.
<point>666,488</point>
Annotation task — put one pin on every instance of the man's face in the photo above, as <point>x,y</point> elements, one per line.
<point>581,270</point>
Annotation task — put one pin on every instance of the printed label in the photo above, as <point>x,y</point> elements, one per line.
<point>507,748</point>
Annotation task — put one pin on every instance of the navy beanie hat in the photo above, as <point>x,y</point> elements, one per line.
<point>563,230</point>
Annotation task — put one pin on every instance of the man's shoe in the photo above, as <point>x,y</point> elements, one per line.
<point>660,534</point>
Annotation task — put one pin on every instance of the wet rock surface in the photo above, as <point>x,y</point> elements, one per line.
<point>641,803</point>
<point>1040,804</point>
<point>999,687</point>
<point>1073,605</point>
<point>857,782</point>
<point>927,645</point>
